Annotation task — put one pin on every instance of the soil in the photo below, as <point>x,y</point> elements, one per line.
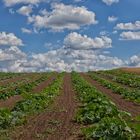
<point>133,70</point>
<point>121,103</point>
<point>10,102</point>
<point>56,123</point>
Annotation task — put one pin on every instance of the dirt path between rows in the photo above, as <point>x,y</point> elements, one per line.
<point>10,102</point>
<point>56,122</point>
<point>121,103</point>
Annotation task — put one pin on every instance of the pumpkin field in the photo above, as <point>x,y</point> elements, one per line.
<point>99,105</point>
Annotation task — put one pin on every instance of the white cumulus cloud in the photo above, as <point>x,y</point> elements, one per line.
<point>9,3</point>
<point>12,53</point>
<point>130,35</point>
<point>128,26</point>
<point>63,17</point>
<point>77,41</point>
<point>9,39</point>
<point>135,61</point>
<point>110,2</point>
<point>112,18</point>
<point>70,59</point>
<point>25,10</point>
<point>78,54</point>
<point>25,30</point>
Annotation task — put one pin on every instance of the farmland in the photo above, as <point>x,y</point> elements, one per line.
<point>102,105</point>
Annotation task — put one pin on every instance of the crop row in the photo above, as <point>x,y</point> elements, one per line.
<point>122,77</point>
<point>133,95</point>
<point>23,88</point>
<point>119,71</point>
<point>32,103</point>
<point>22,79</point>
<point>13,84</point>
<point>100,116</point>
<point>4,75</point>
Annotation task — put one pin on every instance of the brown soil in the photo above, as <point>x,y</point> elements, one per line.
<point>10,103</point>
<point>133,70</point>
<point>121,103</point>
<point>55,123</point>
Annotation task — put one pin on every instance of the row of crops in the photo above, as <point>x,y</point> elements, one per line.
<point>22,87</point>
<point>17,83</point>
<point>100,117</point>
<point>129,79</point>
<point>13,84</point>
<point>4,75</point>
<point>127,93</point>
<point>32,103</point>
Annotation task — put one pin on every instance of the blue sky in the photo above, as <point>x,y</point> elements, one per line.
<point>65,35</point>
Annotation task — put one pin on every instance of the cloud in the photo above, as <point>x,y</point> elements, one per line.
<point>59,60</point>
<point>104,33</point>
<point>11,59</point>
<point>25,30</point>
<point>63,17</point>
<point>9,3</point>
<point>130,35</point>
<point>85,57</point>
<point>12,53</point>
<point>110,2</point>
<point>25,10</point>
<point>135,61</point>
<point>128,26</point>
<point>114,32</point>
<point>9,39</point>
<point>70,59</point>
<point>77,41</point>
<point>112,18</point>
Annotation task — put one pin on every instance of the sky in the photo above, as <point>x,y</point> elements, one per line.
<point>67,35</point>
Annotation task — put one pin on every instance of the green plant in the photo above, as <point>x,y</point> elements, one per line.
<point>133,95</point>
<point>33,103</point>
<point>109,129</point>
<point>98,111</point>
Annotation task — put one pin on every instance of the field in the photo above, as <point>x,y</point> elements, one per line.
<point>101,105</point>
<point>133,70</point>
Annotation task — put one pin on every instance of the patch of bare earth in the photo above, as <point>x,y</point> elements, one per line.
<point>121,103</point>
<point>56,123</point>
<point>132,70</point>
<point>10,102</point>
